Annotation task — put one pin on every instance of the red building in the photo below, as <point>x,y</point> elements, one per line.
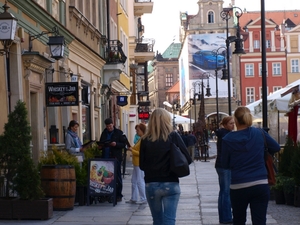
<point>277,24</point>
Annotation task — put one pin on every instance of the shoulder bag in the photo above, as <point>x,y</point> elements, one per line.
<point>178,162</point>
<point>269,162</point>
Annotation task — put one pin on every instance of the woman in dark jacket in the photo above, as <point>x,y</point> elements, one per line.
<point>224,205</point>
<point>162,186</point>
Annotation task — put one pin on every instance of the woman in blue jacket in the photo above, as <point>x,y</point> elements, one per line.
<point>243,154</point>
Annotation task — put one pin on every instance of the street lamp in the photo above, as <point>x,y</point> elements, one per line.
<point>264,67</point>
<point>225,76</point>
<point>8,26</point>
<point>226,14</point>
<point>198,96</point>
<point>56,43</point>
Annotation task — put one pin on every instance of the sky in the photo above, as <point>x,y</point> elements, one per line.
<point>163,23</point>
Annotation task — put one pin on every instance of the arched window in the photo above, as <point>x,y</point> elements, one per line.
<point>211,17</point>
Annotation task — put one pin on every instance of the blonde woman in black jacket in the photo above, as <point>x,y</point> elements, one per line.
<point>162,186</point>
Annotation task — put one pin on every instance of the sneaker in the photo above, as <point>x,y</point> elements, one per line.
<point>142,202</point>
<point>131,201</point>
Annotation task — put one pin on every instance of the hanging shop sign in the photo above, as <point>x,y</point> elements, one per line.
<point>61,94</point>
<point>144,115</point>
<point>122,100</point>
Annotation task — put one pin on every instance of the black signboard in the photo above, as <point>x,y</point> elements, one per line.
<point>61,94</point>
<point>102,179</point>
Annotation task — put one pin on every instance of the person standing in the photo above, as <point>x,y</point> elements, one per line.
<point>137,178</point>
<point>136,136</point>
<point>243,153</point>
<point>72,141</point>
<point>191,141</point>
<point>162,186</point>
<point>224,175</point>
<point>115,143</point>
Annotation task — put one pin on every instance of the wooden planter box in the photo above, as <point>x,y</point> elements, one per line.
<point>37,209</point>
<point>6,207</point>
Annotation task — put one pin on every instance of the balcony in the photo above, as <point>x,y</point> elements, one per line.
<point>115,59</point>
<point>142,6</point>
<point>144,50</point>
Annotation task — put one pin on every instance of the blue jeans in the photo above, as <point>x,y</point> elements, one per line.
<point>224,203</point>
<point>163,199</point>
<point>257,196</point>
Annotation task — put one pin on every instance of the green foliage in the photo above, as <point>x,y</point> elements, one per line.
<point>289,185</point>
<point>295,165</point>
<point>28,182</point>
<point>89,153</point>
<point>279,182</point>
<point>15,145</point>
<point>58,157</point>
<point>286,158</point>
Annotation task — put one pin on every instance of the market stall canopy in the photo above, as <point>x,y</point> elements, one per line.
<point>181,119</point>
<point>279,100</point>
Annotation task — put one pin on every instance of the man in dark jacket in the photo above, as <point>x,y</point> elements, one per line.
<point>114,141</point>
<point>191,141</point>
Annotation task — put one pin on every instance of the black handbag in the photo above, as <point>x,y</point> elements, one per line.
<point>178,162</point>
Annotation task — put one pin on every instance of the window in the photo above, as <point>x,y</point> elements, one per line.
<point>268,43</point>
<point>260,92</point>
<point>169,80</point>
<point>260,69</point>
<point>276,88</point>
<point>211,18</point>
<point>295,65</point>
<point>276,67</point>
<point>256,44</point>
<point>249,70</point>
<point>249,95</point>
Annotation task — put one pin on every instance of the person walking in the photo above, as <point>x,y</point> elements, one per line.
<point>243,153</point>
<point>191,141</point>
<point>73,143</point>
<point>137,178</point>
<point>114,142</point>
<point>162,186</point>
<point>224,175</point>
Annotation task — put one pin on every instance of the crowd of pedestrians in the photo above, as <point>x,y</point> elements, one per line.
<point>239,164</point>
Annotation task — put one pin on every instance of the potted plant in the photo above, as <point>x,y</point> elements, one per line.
<point>278,190</point>
<point>288,190</point>
<point>58,177</point>
<point>295,169</point>
<point>22,181</point>
<point>82,178</point>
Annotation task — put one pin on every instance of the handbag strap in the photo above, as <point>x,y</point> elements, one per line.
<point>265,142</point>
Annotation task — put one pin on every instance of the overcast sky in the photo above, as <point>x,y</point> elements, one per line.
<point>162,24</point>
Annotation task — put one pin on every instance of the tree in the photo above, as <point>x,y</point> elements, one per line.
<point>15,145</point>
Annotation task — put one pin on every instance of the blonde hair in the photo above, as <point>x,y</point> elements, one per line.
<point>243,116</point>
<point>159,126</point>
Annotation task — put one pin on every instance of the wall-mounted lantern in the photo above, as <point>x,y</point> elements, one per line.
<point>8,26</point>
<point>57,46</point>
<point>53,134</point>
<point>56,43</point>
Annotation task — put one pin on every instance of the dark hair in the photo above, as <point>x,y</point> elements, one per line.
<point>72,124</point>
<point>108,121</point>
